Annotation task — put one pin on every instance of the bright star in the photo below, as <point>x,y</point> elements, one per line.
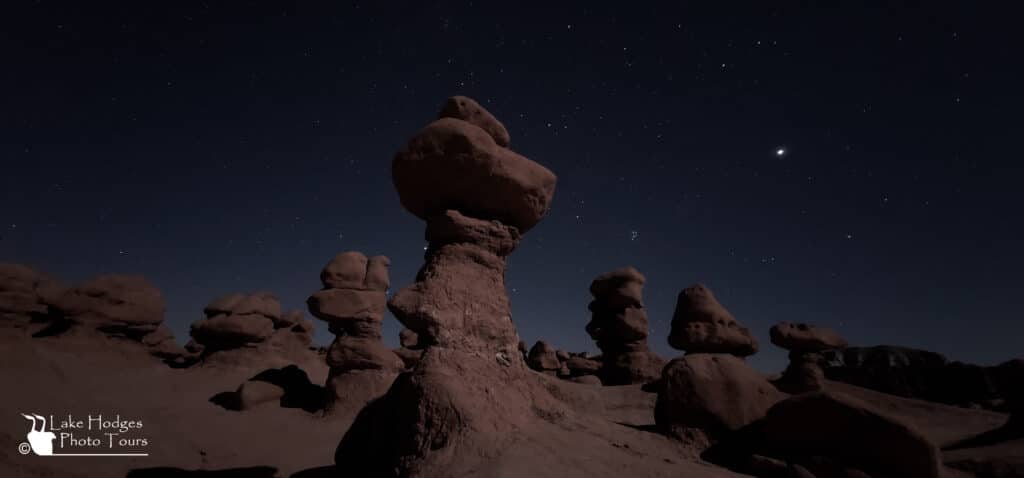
<point>780,152</point>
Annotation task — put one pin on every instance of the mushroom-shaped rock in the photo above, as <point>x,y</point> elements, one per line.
<point>454,164</point>
<point>543,357</point>
<point>471,391</point>
<point>805,343</point>
<point>842,430</point>
<point>468,110</point>
<point>702,325</point>
<point>119,304</point>
<point>714,393</point>
<point>805,337</point>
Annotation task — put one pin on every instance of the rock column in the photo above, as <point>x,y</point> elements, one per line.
<point>352,303</point>
<point>805,344</point>
<point>619,326</point>
<point>471,388</point>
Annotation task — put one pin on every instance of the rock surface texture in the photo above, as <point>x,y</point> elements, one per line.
<point>619,326</point>
<point>352,302</point>
<point>805,343</point>
<point>471,390</point>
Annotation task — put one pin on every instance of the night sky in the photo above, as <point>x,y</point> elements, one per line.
<point>854,167</point>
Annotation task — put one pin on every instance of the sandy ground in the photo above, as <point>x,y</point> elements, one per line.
<point>610,436</point>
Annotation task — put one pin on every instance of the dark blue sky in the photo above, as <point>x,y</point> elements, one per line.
<point>216,149</point>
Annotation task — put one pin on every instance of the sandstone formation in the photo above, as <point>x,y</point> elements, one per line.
<point>711,390</point>
<point>805,343</point>
<point>702,325</point>
<point>712,393</point>
<point>249,330</point>
<point>25,295</point>
<point>832,433</point>
<point>119,306</point>
<point>619,326</point>
<point>925,375</point>
<point>352,302</point>
<point>471,390</point>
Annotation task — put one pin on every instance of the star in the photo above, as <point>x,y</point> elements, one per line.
<point>780,152</point>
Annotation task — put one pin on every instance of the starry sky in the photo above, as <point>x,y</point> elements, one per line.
<point>856,166</point>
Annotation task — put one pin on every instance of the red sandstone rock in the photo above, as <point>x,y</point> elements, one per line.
<point>702,325</point>
<point>468,110</point>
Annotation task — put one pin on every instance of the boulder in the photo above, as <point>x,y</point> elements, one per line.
<point>344,304</point>
<point>701,324</point>
<point>25,294</point>
<point>255,392</point>
<point>455,165</point>
<point>824,428</point>
<point>715,393</point>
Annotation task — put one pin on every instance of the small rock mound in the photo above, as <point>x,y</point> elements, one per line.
<point>352,303</point>
<point>249,328</point>
<point>805,343</point>
<point>702,325</point>
<point>619,326</point>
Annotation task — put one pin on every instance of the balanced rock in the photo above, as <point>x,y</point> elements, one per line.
<point>353,302</point>
<point>543,358</point>
<point>453,164</point>
<point>712,393</point>
<point>846,433</point>
<point>235,321</point>
<point>805,343</point>
<point>471,392</point>
<point>25,295</point>
<point>619,326</point>
<point>702,325</point>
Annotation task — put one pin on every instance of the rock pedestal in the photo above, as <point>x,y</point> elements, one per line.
<point>471,390</point>
<point>619,326</point>
<point>805,344</point>
<point>352,303</point>
<point>710,391</point>
<point>544,358</point>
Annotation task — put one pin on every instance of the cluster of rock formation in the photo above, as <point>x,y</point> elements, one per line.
<point>352,302</point>
<point>471,389</point>
<point>576,367</point>
<point>119,306</point>
<point>805,344</point>
<point>248,321</point>
<point>711,390</point>
<point>619,326</point>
